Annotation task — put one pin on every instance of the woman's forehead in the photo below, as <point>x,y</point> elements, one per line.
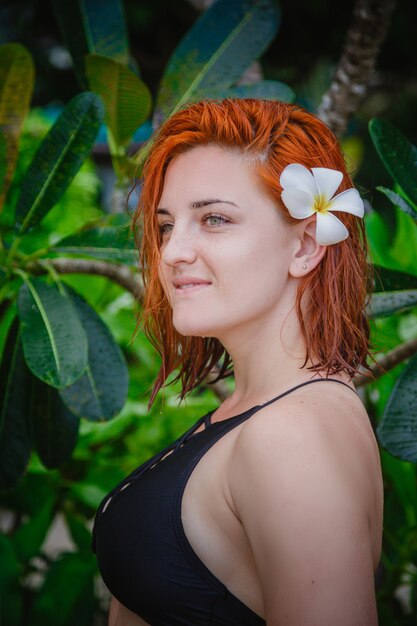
<point>208,169</point>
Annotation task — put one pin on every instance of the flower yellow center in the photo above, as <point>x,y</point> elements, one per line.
<point>320,204</point>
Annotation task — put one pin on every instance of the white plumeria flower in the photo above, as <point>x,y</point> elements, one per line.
<point>305,193</point>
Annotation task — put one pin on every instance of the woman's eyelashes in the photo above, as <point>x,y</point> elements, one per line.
<point>213,220</point>
<point>165,228</point>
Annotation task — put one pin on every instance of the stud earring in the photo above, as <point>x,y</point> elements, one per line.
<point>304,267</point>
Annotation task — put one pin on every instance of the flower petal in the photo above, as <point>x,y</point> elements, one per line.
<point>299,203</point>
<point>327,181</point>
<point>348,201</point>
<point>329,229</point>
<point>296,176</point>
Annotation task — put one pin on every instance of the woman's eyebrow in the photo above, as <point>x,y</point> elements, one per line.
<point>197,204</point>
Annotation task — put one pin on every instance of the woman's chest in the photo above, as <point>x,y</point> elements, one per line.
<point>171,540</point>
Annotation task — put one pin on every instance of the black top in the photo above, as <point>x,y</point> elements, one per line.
<point>143,554</point>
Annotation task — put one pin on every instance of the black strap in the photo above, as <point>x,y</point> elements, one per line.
<point>257,407</point>
<point>308,382</point>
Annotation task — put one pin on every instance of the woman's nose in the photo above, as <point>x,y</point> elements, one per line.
<point>180,247</point>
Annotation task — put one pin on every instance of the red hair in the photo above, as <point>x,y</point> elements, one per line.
<point>273,134</point>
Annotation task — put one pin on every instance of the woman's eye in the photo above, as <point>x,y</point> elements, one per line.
<point>215,220</point>
<point>165,228</point>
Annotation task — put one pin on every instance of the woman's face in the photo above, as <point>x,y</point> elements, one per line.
<point>225,248</point>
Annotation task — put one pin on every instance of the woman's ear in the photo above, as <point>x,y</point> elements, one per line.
<point>308,252</point>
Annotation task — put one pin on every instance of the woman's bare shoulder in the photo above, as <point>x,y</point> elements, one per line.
<point>304,478</point>
<point>319,439</point>
<point>326,415</point>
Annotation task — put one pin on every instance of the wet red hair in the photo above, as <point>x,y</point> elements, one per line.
<point>273,134</point>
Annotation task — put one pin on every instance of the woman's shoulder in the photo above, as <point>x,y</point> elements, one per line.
<point>323,417</point>
<point>319,438</point>
<point>310,454</point>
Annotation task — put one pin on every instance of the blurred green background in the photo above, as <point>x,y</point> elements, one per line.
<point>59,456</point>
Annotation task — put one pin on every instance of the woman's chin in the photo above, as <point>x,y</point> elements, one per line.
<point>193,330</point>
<point>194,333</point>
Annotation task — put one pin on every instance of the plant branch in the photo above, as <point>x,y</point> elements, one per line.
<point>383,366</point>
<point>124,276</point>
<point>388,362</point>
<point>120,274</point>
<point>369,27</point>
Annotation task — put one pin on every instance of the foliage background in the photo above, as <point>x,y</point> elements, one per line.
<point>49,513</point>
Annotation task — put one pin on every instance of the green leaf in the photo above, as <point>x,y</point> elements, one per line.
<point>115,244</point>
<point>15,442</point>
<point>397,430</point>
<point>264,89</point>
<point>213,55</point>
<point>392,280</point>
<point>383,304</point>
<point>127,100</point>
<point>34,489</point>
<point>29,537</point>
<point>11,607</point>
<point>58,159</point>
<point>97,482</point>
<point>89,494</point>
<point>101,392</point>
<point>54,341</point>
<point>399,201</point>
<point>10,567</point>
<point>16,87</point>
<point>11,596</point>
<point>58,601</point>
<point>402,474</point>
<point>80,534</point>
<point>92,26</point>
<point>398,154</point>
<point>54,426</point>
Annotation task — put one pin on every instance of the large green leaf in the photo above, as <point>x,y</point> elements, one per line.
<point>54,341</point>
<point>402,475</point>
<point>264,89</point>
<point>58,159</point>
<point>116,244</point>
<point>397,430</point>
<point>92,26</point>
<point>383,304</point>
<point>398,154</point>
<point>15,442</point>
<point>80,534</point>
<point>392,280</point>
<point>213,55</point>
<point>101,392</point>
<point>30,536</point>
<point>54,427</point>
<point>127,100</point>
<point>16,86</point>
<point>399,201</point>
<point>66,596</point>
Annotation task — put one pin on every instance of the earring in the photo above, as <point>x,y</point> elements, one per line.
<point>304,267</point>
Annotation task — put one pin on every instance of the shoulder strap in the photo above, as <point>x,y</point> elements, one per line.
<point>308,382</point>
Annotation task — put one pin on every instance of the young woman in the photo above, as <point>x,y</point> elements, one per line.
<point>269,509</point>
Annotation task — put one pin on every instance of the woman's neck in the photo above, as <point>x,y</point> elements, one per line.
<point>267,362</point>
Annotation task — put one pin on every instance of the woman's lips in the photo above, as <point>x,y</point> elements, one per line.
<point>187,284</point>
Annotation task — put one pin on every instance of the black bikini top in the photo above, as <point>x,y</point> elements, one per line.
<point>143,554</point>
